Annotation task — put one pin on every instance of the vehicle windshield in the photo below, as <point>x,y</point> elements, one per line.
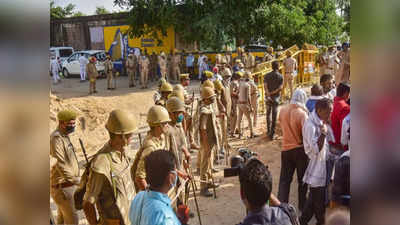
<point>65,52</point>
<point>101,56</point>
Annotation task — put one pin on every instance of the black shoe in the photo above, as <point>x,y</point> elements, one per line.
<point>94,91</point>
<point>271,136</point>
<point>206,193</point>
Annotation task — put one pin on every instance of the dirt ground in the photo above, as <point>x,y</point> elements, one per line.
<point>227,208</point>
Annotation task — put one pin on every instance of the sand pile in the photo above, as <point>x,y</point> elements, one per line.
<point>93,113</point>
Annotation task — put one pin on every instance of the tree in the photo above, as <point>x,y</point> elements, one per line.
<point>101,10</point>
<point>58,12</point>
<point>79,13</point>
<point>215,23</point>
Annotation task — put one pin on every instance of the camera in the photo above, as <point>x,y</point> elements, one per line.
<point>238,162</point>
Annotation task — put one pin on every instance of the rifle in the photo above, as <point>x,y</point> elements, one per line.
<point>84,151</point>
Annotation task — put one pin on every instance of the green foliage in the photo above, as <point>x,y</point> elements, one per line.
<point>101,10</point>
<point>58,12</point>
<point>214,23</point>
<point>79,13</point>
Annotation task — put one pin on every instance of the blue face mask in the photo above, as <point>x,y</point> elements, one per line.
<point>176,178</point>
<point>180,118</point>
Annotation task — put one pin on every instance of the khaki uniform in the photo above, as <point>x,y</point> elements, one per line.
<point>108,66</point>
<point>175,70</point>
<point>153,67</point>
<point>251,62</point>
<point>92,73</point>
<point>234,112</point>
<point>254,100</point>
<point>290,65</point>
<point>218,59</point>
<point>65,170</point>
<point>179,139</point>
<point>163,67</point>
<point>344,68</point>
<point>208,122</point>
<point>110,186</point>
<point>228,59</point>
<point>228,104</point>
<point>268,57</point>
<point>323,63</point>
<point>223,97</point>
<point>144,64</point>
<point>244,106</point>
<point>131,65</point>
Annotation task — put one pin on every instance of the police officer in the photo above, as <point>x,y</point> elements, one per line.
<point>91,71</point>
<point>244,104</point>
<point>234,96</point>
<point>109,186</point>
<point>162,63</point>
<point>176,109</point>
<point>251,62</point>
<point>144,64</point>
<point>153,66</point>
<point>290,65</point>
<point>64,175</point>
<point>227,75</point>
<point>269,55</point>
<point>208,137</point>
<point>158,138</point>
<point>131,65</point>
<point>108,69</point>
<point>175,65</point>
<point>165,91</point>
<point>224,110</point>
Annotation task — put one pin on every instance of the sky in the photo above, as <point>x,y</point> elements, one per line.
<point>88,7</point>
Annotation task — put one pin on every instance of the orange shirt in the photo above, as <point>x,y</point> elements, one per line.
<point>291,119</point>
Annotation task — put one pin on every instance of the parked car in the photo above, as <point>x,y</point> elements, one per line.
<point>71,66</point>
<point>60,53</point>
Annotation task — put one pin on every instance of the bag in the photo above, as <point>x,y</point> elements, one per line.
<point>291,212</point>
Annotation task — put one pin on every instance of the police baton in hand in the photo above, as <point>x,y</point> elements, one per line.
<point>194,191</point>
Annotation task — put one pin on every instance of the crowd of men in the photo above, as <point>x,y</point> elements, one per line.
<point>148,189</point>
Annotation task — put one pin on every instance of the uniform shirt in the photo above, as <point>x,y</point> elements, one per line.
<point>83,61</point>
<point>274,80</point>
<point>340,110</point>
<point>177,132</point>
<point>244,92</point>
<point>152,208</point>
<point>108,66</point>
<point>66,169</point>
<point>208,122</point>
<point>189,60</point>
<point>91,71</point>
<point>315,174</point>
<point>131,62</point>
<point>268,57</point>
<point>150,145</point>
<point>253,89</point>
<point>110,185</point>
<point>176,59</point>
<point>291,119</point>
<point>289,64</point>
<point>144,62</point>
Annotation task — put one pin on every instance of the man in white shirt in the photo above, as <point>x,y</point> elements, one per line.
<point>82,63</point>
<point>328,86</point>
<point>199,64</point>
<point>55,69</point>
<point>316,136</point>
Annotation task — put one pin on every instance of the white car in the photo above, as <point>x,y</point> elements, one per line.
<point>60,53</point>
<point>71,66</point>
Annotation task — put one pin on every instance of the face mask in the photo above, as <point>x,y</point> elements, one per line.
<point>176,179</point>
<point>69,129</point>
<point>180,118</point>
